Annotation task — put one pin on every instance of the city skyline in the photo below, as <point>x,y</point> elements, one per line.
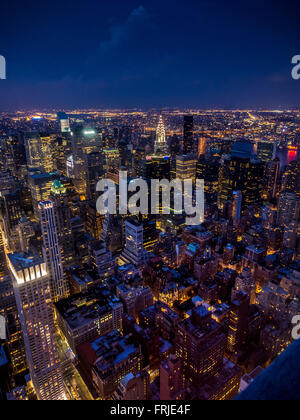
<point>150,203</point>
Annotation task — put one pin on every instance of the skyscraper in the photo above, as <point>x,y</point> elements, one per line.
<point>237,207</point>
<point>52,251</point>
<point>238,321</point>
<point>134,248</point>
<point>271,179</point>
<point>266,151</point>
<point>160,146</point>
<point>241,172</point>
<point>32,291</point>
<point>33,150</point>
<point>188,135</point>
<point>288,208</point>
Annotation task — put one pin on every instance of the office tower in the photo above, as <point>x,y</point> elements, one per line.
<point>52,251</point>
<point>241,172</point>
<point>160,145</point>
<point>16,150</point>
<point>202,142</point>
<point>150,232</point>
<point>291,235</point>
<point>47,148</point>
<point>112,233</point>
<point>40,184</point>
<point>14,337</point>
<point>84,142</point>
<point>133,387</point>
<point>33,150</point>
<point>111,163</point>
<point>156,167</point>
<point>291,178</point>
<point>134,251</point>
<point>95,171</point>
<point>186,166</point>
<point>11,210</point>
<point>288,208</point>
<point>208,169</point>
<point>93,219</point>
<point>200,345</point>
<point>62,149</point>
<point>171,380</point>
<point>188,135</point>
<point>88,315</point>
<point>126,155</point>
<point>266,151</point>
<point>60,197</point>
<point>238,321</point>
<point>31,285</point>
<point>101,259</point>
<point>3,265</point>
<point>26,233</point>
<point>271,179</point>
<point>64,122</point>
<point>236,207</point>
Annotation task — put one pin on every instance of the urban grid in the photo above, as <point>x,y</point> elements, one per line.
<point>125,307</point>
<point>149,210</point>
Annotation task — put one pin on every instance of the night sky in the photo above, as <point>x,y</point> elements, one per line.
<point>127,53</point>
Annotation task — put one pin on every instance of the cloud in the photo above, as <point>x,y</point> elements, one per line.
<point>121,32</point>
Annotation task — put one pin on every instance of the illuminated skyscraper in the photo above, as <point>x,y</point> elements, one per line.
<point>160,146</point>
<point>238,321</point>
<point>188,135</point>
<point>291,178</point>
<point>266,151</point>
<point>64,122</point>
<point>84,142</point>
<point>237,207</point>
<point>288,208</point>
<point>33,150</point>
<point>134,251</point>
<point>271,179</point>
<point>208,169</point>
<point>52,251</point>
<point>32,291</point>
<point>186,167</point>
<point>241,172</point>
<point>60,198</point>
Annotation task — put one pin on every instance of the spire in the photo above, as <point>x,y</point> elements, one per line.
<point>161,147</point>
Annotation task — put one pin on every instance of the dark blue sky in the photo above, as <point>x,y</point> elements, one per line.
<point>127,53</point>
